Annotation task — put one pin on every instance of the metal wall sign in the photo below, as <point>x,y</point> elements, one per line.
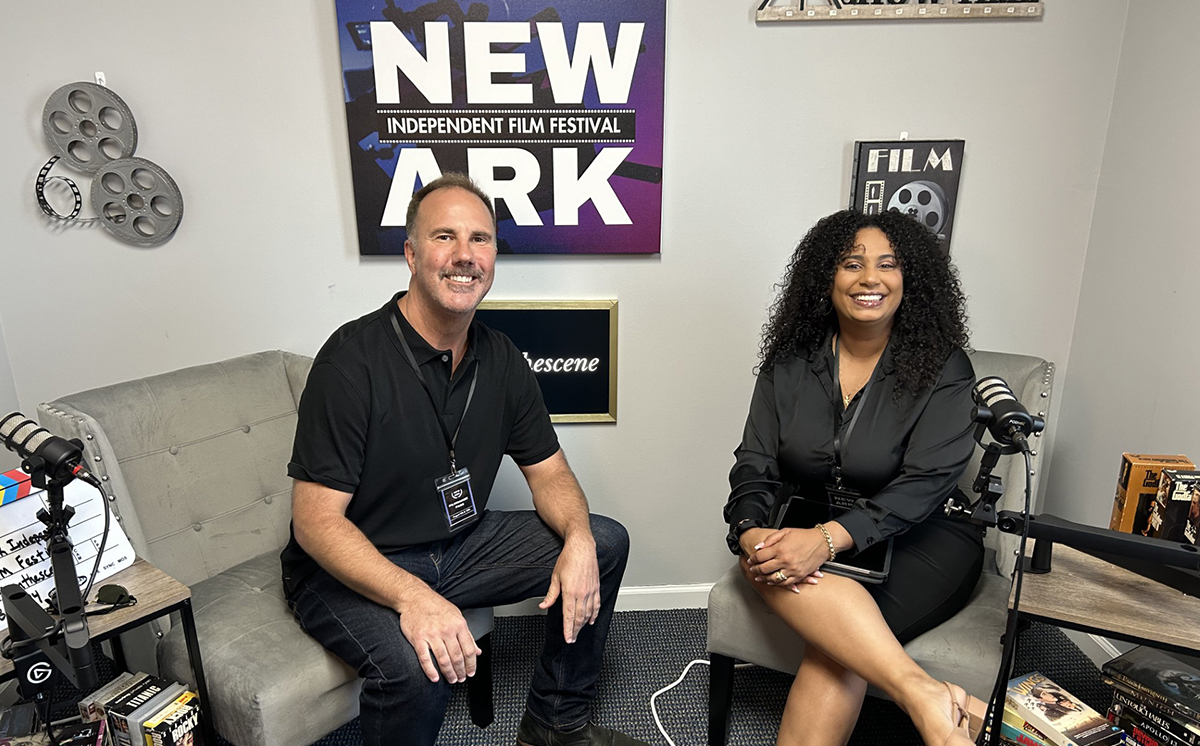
<point>554,108</point>
<point>916,177</point>
<point>571,346</point>
<point>895,10</point>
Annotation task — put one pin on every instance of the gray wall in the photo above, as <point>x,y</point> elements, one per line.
<point>1132,381</point>
<point>241,102</point>
<point>8,401</point>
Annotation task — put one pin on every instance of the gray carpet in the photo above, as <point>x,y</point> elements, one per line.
<point>647,650</point>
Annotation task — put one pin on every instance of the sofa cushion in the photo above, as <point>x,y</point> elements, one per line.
<point>270,682</point>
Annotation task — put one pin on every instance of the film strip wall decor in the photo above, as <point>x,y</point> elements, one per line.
<point>93,131</point>
<point>896,10</point>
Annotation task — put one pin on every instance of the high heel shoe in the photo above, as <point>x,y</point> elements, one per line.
<point>968,719</point>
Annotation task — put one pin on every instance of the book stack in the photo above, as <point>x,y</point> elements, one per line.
<point>142,710</point>
<point>1156,696</point>
<point>1038,712</point>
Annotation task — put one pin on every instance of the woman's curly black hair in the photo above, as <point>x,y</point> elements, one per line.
<point>930,322</point>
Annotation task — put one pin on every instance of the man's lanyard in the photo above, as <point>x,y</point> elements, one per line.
<point>842,434</point>
<point>451,440</point>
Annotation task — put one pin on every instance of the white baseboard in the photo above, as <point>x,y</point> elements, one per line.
<point>652,597</point>
<point>634,598</point>
<point>1098,649</point>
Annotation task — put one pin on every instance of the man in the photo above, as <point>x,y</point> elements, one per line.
<point>405,418</point>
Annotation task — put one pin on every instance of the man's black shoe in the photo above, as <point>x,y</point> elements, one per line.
<point>529,733</point>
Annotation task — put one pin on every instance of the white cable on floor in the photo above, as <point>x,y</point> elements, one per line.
<point>674,684</point>
<point>667,688</point>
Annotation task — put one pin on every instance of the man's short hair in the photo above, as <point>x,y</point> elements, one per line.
<point>446,180</point>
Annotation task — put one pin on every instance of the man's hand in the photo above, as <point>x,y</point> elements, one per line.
<point>576,578</point>
<point>437,631</point>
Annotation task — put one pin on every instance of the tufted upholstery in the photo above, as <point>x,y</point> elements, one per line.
<point>964,649</point>
<point>195,465</point>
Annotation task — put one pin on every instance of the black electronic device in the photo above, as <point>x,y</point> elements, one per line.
<point>1002,414</point>
<point>871,565</point>
<point>60,457</point>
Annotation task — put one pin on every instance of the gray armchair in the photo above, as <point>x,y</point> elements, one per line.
<point>964,649</point>
<point>195,463</point>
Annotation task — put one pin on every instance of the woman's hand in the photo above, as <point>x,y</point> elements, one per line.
<point>797,552</point>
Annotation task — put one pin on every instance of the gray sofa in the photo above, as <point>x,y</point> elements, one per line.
<point>194,462</point>
<point>964,649</point>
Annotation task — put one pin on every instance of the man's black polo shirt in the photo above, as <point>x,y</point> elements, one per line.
<point>367,427</point>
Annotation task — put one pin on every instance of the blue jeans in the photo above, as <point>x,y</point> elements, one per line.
<point>506,557</point>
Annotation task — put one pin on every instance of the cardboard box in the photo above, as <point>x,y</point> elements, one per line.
<point>1177,491</point>
<point>1192,530</point>
<point>1137,487</point>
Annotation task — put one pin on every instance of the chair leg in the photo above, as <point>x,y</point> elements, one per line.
<point>479,686</point>
<point>720,698</point>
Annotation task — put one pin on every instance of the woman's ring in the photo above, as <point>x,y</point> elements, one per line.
<point>780,576</point>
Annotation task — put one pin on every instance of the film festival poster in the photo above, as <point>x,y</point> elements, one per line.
<point>555,107</point>
<point>916,177</point>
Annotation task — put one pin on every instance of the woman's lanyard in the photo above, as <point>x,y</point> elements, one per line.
<point>451,440</point>
<point>842,434</point>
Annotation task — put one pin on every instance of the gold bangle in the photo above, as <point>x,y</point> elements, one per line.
<point>828,541</point>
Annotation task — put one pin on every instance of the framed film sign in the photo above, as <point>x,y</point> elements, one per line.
<point>916,177</point>
<point>571,345</point>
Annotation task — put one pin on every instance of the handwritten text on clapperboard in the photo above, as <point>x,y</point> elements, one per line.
<point>23,556</point>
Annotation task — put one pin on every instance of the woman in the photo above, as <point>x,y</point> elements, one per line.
<point>863,397</point>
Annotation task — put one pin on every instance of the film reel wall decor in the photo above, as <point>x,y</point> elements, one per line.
<point>93,130</point>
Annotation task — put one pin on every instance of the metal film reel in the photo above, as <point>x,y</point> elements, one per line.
<point>137,201</point>
<point>89,126</point>
<point>923,200</point>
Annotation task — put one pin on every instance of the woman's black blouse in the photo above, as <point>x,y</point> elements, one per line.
<point>904,455</point>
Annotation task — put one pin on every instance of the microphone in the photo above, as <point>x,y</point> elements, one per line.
<point>62,457</point>
<point>1007,421</point>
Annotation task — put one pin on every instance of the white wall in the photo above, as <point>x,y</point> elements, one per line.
<point>241,103</point>
<point>8,401</point>
<point>1132,382</point>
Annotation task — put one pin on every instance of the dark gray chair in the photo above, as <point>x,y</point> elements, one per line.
<point>965,649</point>
<point>194,462</point>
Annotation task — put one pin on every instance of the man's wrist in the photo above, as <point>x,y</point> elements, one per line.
<point>579,534</point>
<point>410,592</point>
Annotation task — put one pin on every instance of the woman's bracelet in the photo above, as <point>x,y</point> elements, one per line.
<point>828,541</point>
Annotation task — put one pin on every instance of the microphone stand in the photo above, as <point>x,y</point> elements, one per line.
<point>37,639</point>
<point>1047,530</point>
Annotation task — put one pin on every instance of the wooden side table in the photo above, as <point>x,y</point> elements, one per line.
<point>1084,593</point>
<point>157,594</point>
<point>1088,594</point>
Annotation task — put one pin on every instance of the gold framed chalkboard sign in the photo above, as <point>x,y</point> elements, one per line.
<point>571,346</point>
<point>896,10</point>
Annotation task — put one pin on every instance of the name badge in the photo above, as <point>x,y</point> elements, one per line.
<point>841,498</point>
<point>455,492</point>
